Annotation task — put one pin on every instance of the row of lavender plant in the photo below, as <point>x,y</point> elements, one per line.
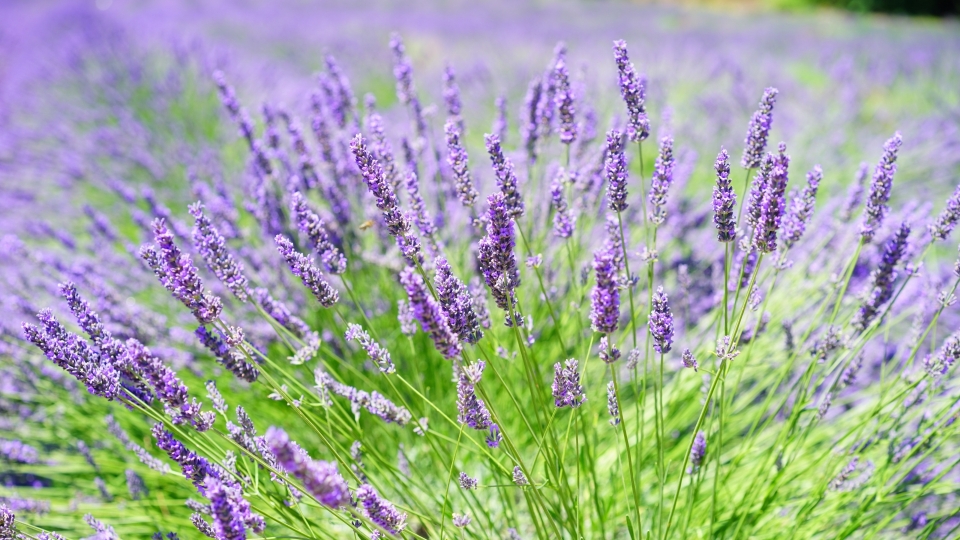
<point>404,347</point>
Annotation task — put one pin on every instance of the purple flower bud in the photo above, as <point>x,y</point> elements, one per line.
<point>633,91</point>
<point>451,95</point>
<point>499,127</point>
<point>320,479</point>
<point>195,468</point>
<point>855,193</point>
<point>13,451</point>
<point>880,287</point>
<point>457,158</point>
<point>529,128</point>
<point>430,314</point>
<point>506,177</point>
<point>948,355</point>
<point>688,360</point>
<point>402,70</point>
<point>379,355</point>
<point>613,406</point>
<point>466,482</point>
<point>456,303</point>
<point>379,510</point>
<point>471,410</point>
<point>310,275</point>
<point>315,230</point>
<point>211,246</point>
<point>661,322</point>
<point>697,452</point>
<point>519,478</point>
<point>759,130</point>
<point>801,208</point>
<point>605,298</point>
<point>724,200</point>
<point>232,359</point>
<point>880,188</point>
<point>563,221</point>
<point>773,204</point>
<point>948,218</point>
<point>461,520</point>
<point>178,274</point>
<point>567,391</point>
<point>564,102</point>
<point>616,172</point>
<point>609,353</point>
<point>661,181</point>
<point>281,313</point>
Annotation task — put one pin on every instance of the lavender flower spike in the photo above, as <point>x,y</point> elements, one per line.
<point>563,221</point>
<point>697,452</point>
<point>615,168</point>
<point>661,322</point>
<point>801,208</point>
<point>456,303</point>
<point>567,391</point>
<point>232,359</point>
<point>773,205</point>
<point>633,91</point>
<point>457,158</point>
<point>605,298</point>
<point>498,262</point>
<point>379,355</point>
<point>528,118</point>
<point>210,245</point>
<point>660,183</point>
<point>320,479</point>
<point>178,274</point>
<point>313,227</point>
<point>881,280</point>
<point>310,275</point>
<point>506,177</point>
<point>759,130</point>
<point>688,360</point>
<point>948,218</point>
<point>227,515</point>
<point>471,410</point>
<point>724,200</point>
<point>430,314</point>
<point>380,511</point>
<point>564,102</point>
<point>880,188</point>
<point>613,406</point>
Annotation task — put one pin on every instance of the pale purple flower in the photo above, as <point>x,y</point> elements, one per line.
<point>457,158</point>
<point>466,482</point>
<point>661,181</point>
<point>755,144</point>
<point>773,204</point>
<point>613,406</point>
<point>564,102</point>
<point>801,208</point>
<point>880,188</point>
<point>615,167</point>
<point>230,358</point>
<point>379,355</point>
<point>529,129</point>
<point>315,230</point>
<point>661,322</point>
<point>519,478</point>
<point>688,360</point>
<point>379,510</point>
<point>563,221</point>
<point>506,177</point>
<point>320,479</point>
<point>211,246</point>
<point>310,275</point>
<point>880,287</point>
<point>457,303</point>
<point>498,262</point>
<point>633,91</point>
<point>697,452</point>
<point>605,298</point>
<point>430,314</point>
<point>948,218</point>
<point>567,391</point>
<point>461,520</point>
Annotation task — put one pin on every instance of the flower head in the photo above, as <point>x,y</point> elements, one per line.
<point>567,391</point>
<point>633,91</point>
<point>616,172</point>
<point>880,188</point>
<point>661,322</point>
<point>756,141</point>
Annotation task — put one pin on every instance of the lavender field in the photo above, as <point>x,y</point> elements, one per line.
<point>487,270</point>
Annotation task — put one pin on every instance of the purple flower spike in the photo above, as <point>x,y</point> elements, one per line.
<point>880,188</point>
<point>563,221</point>
<point>613,406</point>
<point>379,355</point>
<point>194,467</point>
<point>881,280</point>
<point>310,275</point>
<point>758,189</point>
<point>457,303</point>
<point>616,172</point>
<point>688,360</point>
<point>724,200</point>
<point>948,218</point>
<point>178,274</point>
<point>801,208</point>
<point>564,102</point>
<point>457,158</point>
<point>451,94</point>
<point>430,314</point>
<point>374,177</point>
<point>661,322</point>
<point>633,91</point>
<point>605,298</point>
<point>380,511</point>
<point>697,452</point>
<point>499,127</point>
<point>471,410</point>
<point>506,177</point>
<point>227,515</point>
<point>232,359</point>
<point>773,204</point>
<point>661,181</point>
<point>211,246</point>
<point>321,479</point>
<point>169,389</point>
<point>567,391</point>
<point>498,262</point>
<point>759,130</point>
<point>315,230</point>
<point>528,116</point>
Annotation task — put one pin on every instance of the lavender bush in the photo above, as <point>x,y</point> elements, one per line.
<point>417,313</point>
